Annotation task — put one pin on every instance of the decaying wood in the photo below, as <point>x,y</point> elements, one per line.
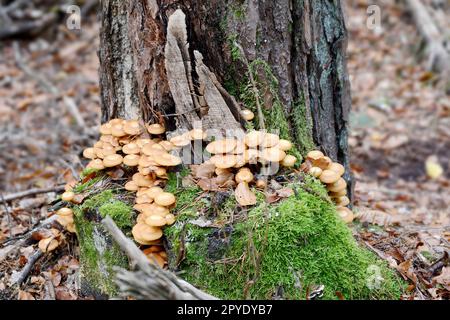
<point>439,58</point>
<point>150,282</point>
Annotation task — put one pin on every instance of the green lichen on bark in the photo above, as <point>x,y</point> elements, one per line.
<point>98,252</point>
<point>286,247</point>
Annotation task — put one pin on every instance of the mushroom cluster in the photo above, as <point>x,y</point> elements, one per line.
<point>330,173</point>
<point>238,158</point>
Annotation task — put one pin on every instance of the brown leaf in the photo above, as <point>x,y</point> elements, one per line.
<point>205,170</point>
<point>208,184</point>
<point>63,293</point>
<point>272,197</point>
<point>244,196</point>
<point>285,192</point>
<point>406,270</point>
<point>443,278</point>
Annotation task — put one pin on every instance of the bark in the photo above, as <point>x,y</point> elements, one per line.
<point>151,70</point>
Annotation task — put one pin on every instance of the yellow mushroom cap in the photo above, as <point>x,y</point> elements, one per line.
<point>117,130</point>
<point>181,140</point>
<point>67,196</point>
<point>64,212</point>
<point>251,156</point>
<point>270,140</point>
<point>112,160</point>
<point>156,128</point>
<point>141,180</point>
<point>341,193</point>
<point>315,171</point>
<point>261,184</point>
<point>132,127</point>
<point>240,148</point>
<point>337,186</point>
<point>131,160</point>
<point>244,175</point>
<point>346,214</point>
<point>224,161</point>
<point>146,161</point>
<point>143,198</point>
<point>329,176</point>
<point>131,186</point>
<point>156,258</point>
<point>289,161</point>
<point>336,167</point>
<point>247,114</point>
<point>131,148</point>
<point>221,146</point>
<point>71,227</point>
<point>314,155</point>
<point>89,153</point>
<point>167,145</point>
<point>105,128</point>
<point>96,164</point>
<point>47,245</point>
<point>284,145</point>
<point>146,232</point>
<point>153,191</point>
<point>64,220</point>
<point>155,209</point>
<point>108,150</point>
<point>272,155</point>
<point>167,160</point>
<point>155,221</point>
<point>342,201</point>
<point>142,142</point>
<point>253,139</point>
<point>197,134</point>
<point>170,219</point>
<point>165,199</point>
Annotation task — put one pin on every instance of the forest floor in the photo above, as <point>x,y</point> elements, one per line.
<point>400,121</point>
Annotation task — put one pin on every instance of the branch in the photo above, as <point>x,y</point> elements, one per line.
<point>31,192</point>
<point>151,282</point>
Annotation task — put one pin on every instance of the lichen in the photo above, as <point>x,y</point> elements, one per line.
<point>286,247</point>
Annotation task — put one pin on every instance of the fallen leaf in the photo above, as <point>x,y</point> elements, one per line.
<point>285,192</point>
<point>443,278</point>
<point>205,170</point>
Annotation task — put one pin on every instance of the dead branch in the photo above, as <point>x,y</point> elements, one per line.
<point>151,282</point>
<point>23,274</point>
<point>31,192</point>
<point>439,58</point>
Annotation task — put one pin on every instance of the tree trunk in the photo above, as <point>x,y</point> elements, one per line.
<point>291,53</point>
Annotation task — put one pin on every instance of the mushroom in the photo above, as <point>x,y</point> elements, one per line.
<point>132,127</point>
<point>167,160</point>
<point>67,196</point>
<point>244,175</point>
<point>89,153</point>
<point>131,160</point>
<point>329,176</point>
<point>106,128</point>
<point>155,209</point>
<point>167,145</point>
<point>261,184</point>
<point>141,142</point>
<point>336,167</point>
<point>289,161</point>
<point>112,160</point>
<point>345,214</point>
<point>253,139</point>
<point>221,146</point>
<point>155,221</point>
<point>96,164</point>
<point>314,155</point>
<point>270,140</point>
<point>71,227</point>
<point>131,186</point>
<point>141,180</point>
<point>251,156</point>
<point>224,161</point>
<point>64,212</point>
<point>153,191</point>
<point>247,114</point>
<point>273,155</point>
<point>64,220</point>
<point>48,244</point>
<point>244,196</point>
<point>284,145</point>
<point>131,148</point>
<point>342,201</point>
<point>197,134</point>
<point>165,199</point>
<point>156,128</point>
<point>240,147</point>
<point>145,232</point>
<point>337,186</point>
<point>146,161</point>
<point>155,258</point>
<point>108,150</point>
<point>117,130</point>
<point>341,193</point>
<point>170,219</point>
<point>143,199</point>
<point>180,141</point>
<point>315,172</point>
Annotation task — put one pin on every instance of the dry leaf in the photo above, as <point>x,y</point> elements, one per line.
<point>285,192</point>
<point>244,196</point>
<point>205,170</point>
<point>443,278</point>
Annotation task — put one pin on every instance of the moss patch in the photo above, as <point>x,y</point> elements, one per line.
<point>98,252</point>
<point>293,245</point>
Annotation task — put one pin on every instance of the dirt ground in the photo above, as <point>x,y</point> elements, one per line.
<point>400,124</point>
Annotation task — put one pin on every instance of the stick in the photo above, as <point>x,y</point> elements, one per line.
<point>26,269</point>
<point>31,192</point>
<point>151,282</point>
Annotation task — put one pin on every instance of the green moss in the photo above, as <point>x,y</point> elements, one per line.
<point>295,244</point>
<point>303,127</point>
<point>97,264</point>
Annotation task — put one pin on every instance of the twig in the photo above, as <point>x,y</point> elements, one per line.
<point>26,269</point>
<point>31,192</point>
<point>69,102</point>
<point>262,125</point>
<point>156,282</point>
